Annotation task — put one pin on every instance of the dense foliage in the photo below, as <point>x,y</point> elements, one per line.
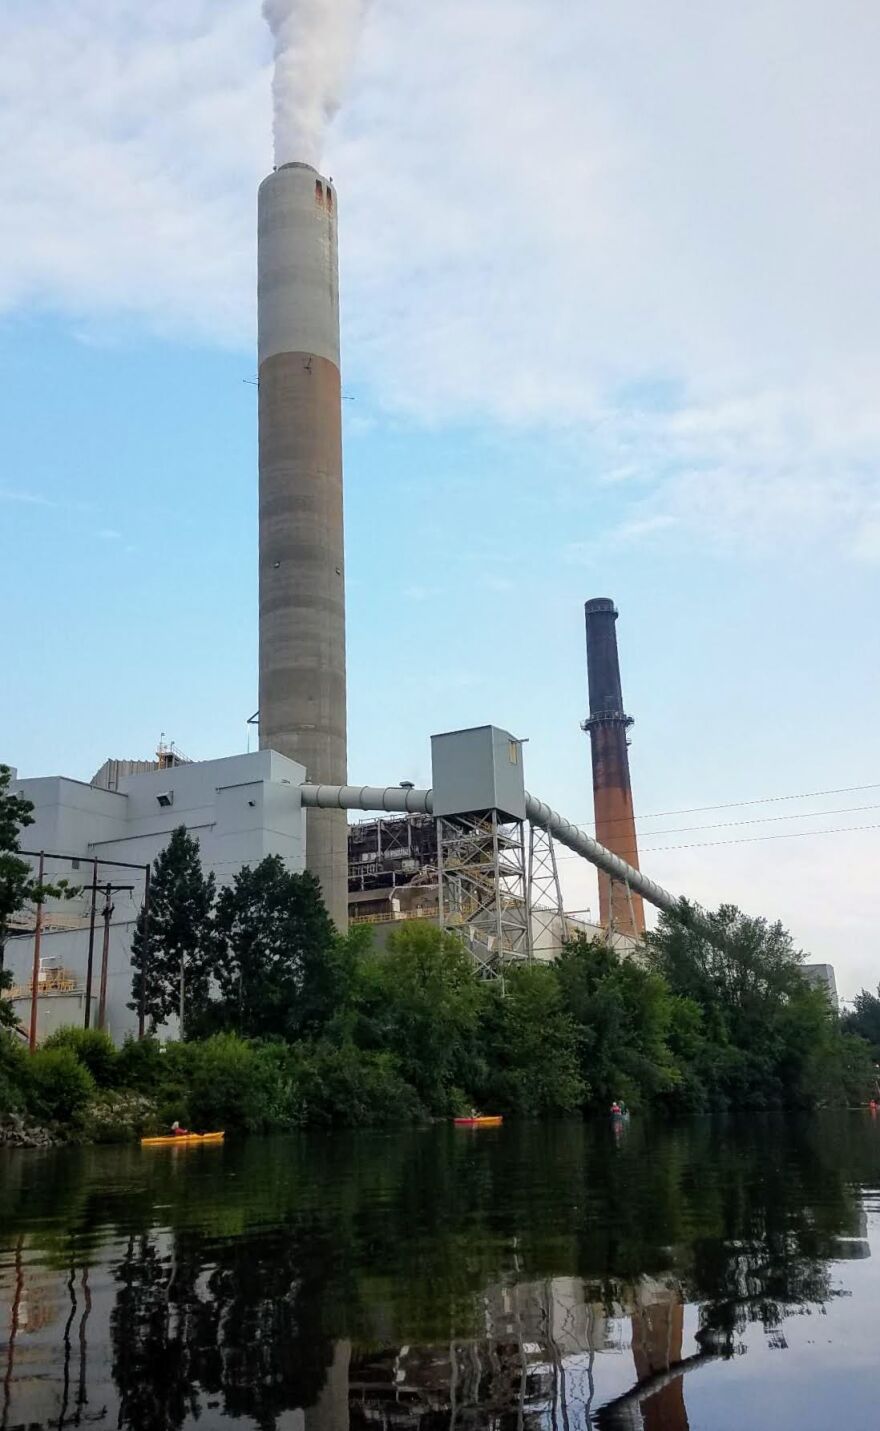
<point>288,1024</point>
<point>753,1033</point>
<point>864,1021</point>
<point>171,957</point>
<point>275,955</point>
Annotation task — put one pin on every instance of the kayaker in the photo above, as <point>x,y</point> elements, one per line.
<point>178,1131</point>
<point>616,1110</point>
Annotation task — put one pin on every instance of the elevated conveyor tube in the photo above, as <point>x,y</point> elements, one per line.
<point>397,799</point>
<point>583,844</point>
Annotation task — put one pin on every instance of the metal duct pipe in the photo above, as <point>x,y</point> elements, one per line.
<point>396,798</point>
<point>421,802</point>
<point>583,844</point>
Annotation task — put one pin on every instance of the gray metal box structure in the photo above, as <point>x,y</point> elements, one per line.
<point>478,769</point>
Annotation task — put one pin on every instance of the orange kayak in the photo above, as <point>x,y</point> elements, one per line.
<point>173,1139</point>
<point>483,1122</point>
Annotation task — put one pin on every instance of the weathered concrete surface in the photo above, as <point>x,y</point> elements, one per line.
<point>612,788</point>
<point>302,573</point>
<point>298,270</point>
<point>302,594</point>
<point>615,826</point>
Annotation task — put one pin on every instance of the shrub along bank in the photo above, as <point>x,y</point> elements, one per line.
<point>288,1025</point>
<point>409,1033</point>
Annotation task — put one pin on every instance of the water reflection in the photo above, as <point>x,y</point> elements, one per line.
<point>533,1277</point>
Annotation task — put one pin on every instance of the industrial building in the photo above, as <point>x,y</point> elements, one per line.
<point>821,976</point>
<point>474,854</point>
<point>240,809</point>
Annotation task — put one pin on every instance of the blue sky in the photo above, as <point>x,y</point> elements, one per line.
<point>610,328</point>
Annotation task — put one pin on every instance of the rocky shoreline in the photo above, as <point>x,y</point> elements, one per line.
<point>118,1117</point>
<point>19,1132</point>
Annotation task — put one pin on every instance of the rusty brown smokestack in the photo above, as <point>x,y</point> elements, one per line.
<point>612,791</point>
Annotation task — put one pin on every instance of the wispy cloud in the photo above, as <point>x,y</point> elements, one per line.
<point>606,242</point>
<point>38,499</point>
<point>28,499</point>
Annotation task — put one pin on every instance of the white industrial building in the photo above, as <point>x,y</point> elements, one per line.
<point>490,872</point>
<point>240,809</point>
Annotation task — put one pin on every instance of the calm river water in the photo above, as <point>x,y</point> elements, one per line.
<point>718,1276</point>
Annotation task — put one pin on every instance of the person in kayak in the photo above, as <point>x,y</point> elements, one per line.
<point>178,1131</point>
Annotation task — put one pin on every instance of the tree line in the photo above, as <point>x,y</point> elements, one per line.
<point>716,1014</point>
<point>283,1022</point>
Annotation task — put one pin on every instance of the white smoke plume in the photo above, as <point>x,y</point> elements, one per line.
<point>314,47</point>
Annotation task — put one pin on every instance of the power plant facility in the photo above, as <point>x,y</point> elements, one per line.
<point>475,852</point>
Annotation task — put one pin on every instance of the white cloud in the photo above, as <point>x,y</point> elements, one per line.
<point>650,228</point>
<point>38,499</point>
<point>131,137</point>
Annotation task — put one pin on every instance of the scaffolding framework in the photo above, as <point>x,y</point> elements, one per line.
<point>615,938</point>
<point>483,887</point>
<point>545,892</point>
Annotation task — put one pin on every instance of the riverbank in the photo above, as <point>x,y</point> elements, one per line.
<point>17,1131</point>
<point>410,1035</point>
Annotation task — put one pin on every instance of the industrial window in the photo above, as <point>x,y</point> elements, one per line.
<point>512,752</point>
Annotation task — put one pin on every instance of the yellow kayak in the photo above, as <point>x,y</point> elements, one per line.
<point>175,1138</point>
<point>481,1121</point>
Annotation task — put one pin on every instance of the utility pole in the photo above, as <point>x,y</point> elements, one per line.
<point>38,934</point>
<point>89,965</point>
<point>142,1001</point>
<point>107,914</point>
<point>182,969</point>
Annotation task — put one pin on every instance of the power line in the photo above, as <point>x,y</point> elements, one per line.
<point>745,840</point>
<point>764,820</point>
<point>758,839</point>
<point>737,804</point>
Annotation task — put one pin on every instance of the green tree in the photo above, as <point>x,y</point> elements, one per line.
<point>864,1020</point>
<point>8,1017</point>
<point>93,1048</point>
<point>743,965</point>
<point>531,1045</point>
<point>349,1087</point>
<point>13,1073</point>
<point>58,1086</point>
<point>277,959</point>
<point>172,964</point>
<point>768,1039</point>
<point>624,1013</point>
<point>418,999</point>
<point>234,1085</point>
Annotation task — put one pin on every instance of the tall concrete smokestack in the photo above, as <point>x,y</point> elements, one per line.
<point>302,582</point>
<point>612,791</point>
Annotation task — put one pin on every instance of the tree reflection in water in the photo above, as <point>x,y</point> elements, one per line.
<point>431,1280</point>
